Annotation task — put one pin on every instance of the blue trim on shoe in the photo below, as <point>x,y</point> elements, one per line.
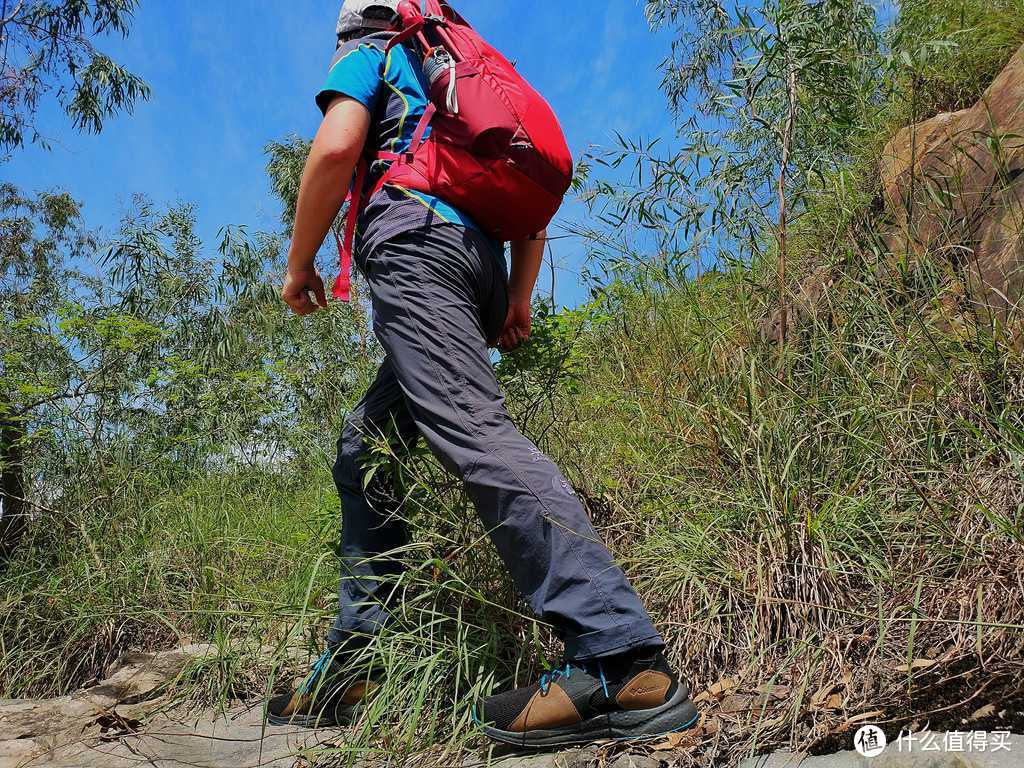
<point>604,682</point>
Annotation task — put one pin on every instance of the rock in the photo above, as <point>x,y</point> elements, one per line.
<point>634,761</point>
<point>922,750</point>
<point>15,753</point>
<point>953,193</point>
<point>953,187</point>
<point>43,730</point>
<point>736,703</point>
<point>235,739</point>
<point>30,728</point>
<point>500,757</point>
<point>792,760</point>
<point>953,750</point>
<point>587,757</point>
<point>137,676</point>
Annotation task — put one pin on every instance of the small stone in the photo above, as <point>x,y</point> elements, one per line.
<point>577,758</point>
<point>738,702</point>
<point>500,758</point>
<point>634,761</point>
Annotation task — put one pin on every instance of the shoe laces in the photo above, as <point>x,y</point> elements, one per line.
<point>319,667</point>
<point>551,676</point>
<point>548,678</point>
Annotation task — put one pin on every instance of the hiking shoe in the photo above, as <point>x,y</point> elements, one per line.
<point>614,698</point>
<point>331,695</point>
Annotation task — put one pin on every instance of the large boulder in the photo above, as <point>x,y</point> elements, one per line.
<point>953,189</point>
<point>953,195</point>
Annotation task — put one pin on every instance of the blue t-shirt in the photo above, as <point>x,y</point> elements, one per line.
<point>390,84</point>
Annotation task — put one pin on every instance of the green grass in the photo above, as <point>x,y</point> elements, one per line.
<point>223,555</point>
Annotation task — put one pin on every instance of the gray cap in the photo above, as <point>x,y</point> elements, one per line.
<point>366,14</point>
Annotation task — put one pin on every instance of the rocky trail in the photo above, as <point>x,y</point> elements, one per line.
<point>125,721</point>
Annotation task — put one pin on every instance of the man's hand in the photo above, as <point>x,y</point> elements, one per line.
<point>298,284</point>
<point>517,326</point>
<point>526,258</point>
<point>325,181</point>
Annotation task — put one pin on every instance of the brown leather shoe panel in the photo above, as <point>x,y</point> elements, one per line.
<point>299,703</point>
<point>645,691</point>
<point>549,710</point>
<point>358,691</point>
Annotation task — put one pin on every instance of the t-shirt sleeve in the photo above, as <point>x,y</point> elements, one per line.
<point>357,70</point>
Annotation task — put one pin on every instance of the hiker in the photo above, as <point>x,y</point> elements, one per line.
<point>441,294</point>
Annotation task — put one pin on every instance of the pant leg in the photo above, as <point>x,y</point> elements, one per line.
<point>371,530</point>
<point>432,292</point>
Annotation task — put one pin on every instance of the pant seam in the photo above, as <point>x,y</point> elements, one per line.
<point>458,410</point>
<point>572,545</point>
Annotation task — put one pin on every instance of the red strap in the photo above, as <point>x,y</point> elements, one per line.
<point>404,35</point>
<point>417,136</point>
<point>343,284</point>
<point>398,158</point>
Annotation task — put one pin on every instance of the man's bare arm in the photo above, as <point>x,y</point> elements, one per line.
<point>325,182</point>
<point>527,256</point>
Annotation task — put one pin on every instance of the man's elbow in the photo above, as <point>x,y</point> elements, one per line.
<point>336,154</point>
<point>341,136</point>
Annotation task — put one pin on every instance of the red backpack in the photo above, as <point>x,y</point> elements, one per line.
<point>495,151</point>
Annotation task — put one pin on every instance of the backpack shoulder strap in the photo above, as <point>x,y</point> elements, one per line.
<point>343,284</point>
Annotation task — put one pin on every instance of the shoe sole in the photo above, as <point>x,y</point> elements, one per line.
<point>676,714</point>
<point>343,715</point>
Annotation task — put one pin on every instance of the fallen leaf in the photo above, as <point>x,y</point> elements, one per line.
<point>699,727</point>
<point>738,702</point>
<point>821,695</point>
<point>671,741</point>
<point>985,711</point>
<point>847,677</point>
<point>723,687</point>
<point>915,664</point>
<point>872,715</point>
<point>774,691</point>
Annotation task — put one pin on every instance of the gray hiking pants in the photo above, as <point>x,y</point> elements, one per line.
<point>438,295</point>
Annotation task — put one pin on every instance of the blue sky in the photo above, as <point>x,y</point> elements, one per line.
<point>230,75</point>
